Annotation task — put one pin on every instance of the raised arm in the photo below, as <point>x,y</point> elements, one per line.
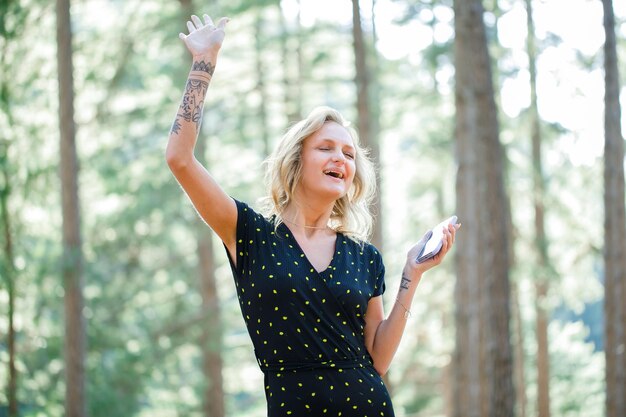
<point>216,208</point>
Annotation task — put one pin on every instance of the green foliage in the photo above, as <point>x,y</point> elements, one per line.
<point>12,18</point>
<point>578,375</point>
<point>139,230</point>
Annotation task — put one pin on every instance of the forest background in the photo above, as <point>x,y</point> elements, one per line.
<point>158,331</point>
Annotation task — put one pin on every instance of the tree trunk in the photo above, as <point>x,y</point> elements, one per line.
<point>543,357</point>
<point>300,62</point>
<point>75,338</point>
<point>542,284</point>
<point>260,81</point>
<point>8,272</point>
<point>518,357</point>
<point>614,229</point>
<point>366,126</point>
<point>375,105</point>
<point>211,343</point>
<point>483,362</point>
<point>365,115</point>
<point>290,82</point>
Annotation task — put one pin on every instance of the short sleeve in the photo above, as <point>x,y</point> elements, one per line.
<point>248,225</point>
<point>379,286</point>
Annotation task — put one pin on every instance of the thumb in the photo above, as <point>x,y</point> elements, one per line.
<point>222,23</point>
<point>420,245</point>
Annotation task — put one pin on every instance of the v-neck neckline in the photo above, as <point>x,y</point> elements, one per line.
<point>291,236</point>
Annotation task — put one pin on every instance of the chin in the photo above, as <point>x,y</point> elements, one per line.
<point>332,194</point>
<point>340,191</point>
<point>324,191</point>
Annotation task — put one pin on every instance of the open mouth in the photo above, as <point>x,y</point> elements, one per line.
<point>334,174</point>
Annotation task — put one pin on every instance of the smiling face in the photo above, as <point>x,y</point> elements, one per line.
<point>319,162</point>
<point>328,163</point>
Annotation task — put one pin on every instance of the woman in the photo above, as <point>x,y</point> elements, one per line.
<point>309,285</point>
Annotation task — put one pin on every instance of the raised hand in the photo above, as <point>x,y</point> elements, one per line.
<point>204,38</point>
<point>448,240</point>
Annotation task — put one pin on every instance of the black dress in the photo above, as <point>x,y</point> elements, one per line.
<point>307,326</point>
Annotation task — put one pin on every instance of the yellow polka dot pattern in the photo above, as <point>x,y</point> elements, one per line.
<point>307,326</point>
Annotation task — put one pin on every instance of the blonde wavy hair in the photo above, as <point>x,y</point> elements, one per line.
<point>351,213</point>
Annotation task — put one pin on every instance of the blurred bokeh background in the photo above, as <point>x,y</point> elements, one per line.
<point>164,334</point>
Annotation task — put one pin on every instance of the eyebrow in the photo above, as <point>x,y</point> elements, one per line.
<point>334,141</point>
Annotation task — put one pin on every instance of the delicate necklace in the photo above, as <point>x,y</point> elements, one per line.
<point>307,227</point>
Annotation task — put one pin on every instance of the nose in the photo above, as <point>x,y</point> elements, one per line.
<point>339,157</point>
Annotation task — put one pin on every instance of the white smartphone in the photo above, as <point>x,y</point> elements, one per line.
<point>433,246</point>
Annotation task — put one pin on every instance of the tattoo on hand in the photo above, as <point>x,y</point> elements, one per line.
<point>204,67</point>
<point>404,284</point>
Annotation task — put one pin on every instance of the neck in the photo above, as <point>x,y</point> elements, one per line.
<point>307,217</point>
<point>304,226</point>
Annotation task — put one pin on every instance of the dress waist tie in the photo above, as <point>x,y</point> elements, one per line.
<point>349,363</point>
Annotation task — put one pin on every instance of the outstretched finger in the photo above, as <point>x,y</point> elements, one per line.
<point>207,20</point>
<point>191,27</point>
<point>445,247</point>
<point>222,23</point>
<point>452,230</point>
<point>451,238</point>
<point>182,35</point>
<point>196,20</point>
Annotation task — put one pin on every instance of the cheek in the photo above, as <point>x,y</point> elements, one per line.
<point>352,170</point>
<point>307,164</point>
<point>351,180</point>
<point>310,160</point>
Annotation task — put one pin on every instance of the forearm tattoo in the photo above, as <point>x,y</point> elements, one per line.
<point>404,284</point>
<point>191,107</point>
<point>193,100</point>
<point>176,126</point>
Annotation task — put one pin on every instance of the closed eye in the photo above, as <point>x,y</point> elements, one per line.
<point>348,155</point>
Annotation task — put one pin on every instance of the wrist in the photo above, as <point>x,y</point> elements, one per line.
<point>410,278</point>
<point>407,310</point>
<point>203,64</point>
<point>413,271</point>
<point>205,56</point>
